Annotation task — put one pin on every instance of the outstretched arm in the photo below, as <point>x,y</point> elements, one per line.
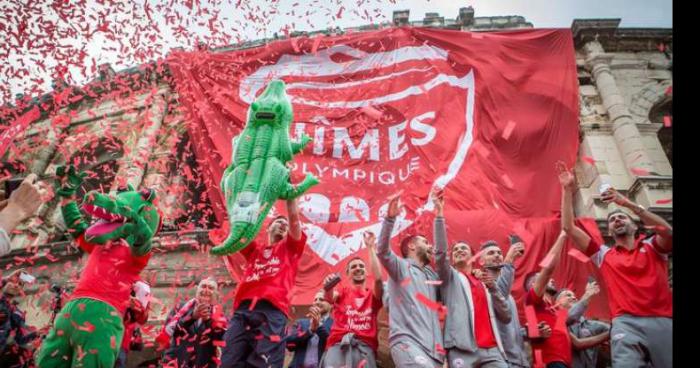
<point>548,269</point>
<point>568,187</point>
<point>299,146</point>
<point>391,262</point>
<point>664,231</point>
<point>294,223</point>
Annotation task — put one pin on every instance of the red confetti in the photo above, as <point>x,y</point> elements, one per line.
<point>588,159</point>
<point>275,338</point>
<point>667,121</point>
<point>253,303</point>
<point>506,181</point>
<point>480,149</point>
<point>440,349</point>
<point>508,129</point>
<point>431,304</point>
<point>314,47</point>
<point>575,253</point>
<point>664,201</point>
<point>639,171</point>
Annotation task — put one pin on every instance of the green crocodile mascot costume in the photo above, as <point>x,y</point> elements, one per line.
<point>88,330</point>
<point>257,176</point>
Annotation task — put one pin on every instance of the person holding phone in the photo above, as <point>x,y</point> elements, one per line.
<point>635,270</point>
<point>196,330</point>
<point>586,335</point>
<point>22,201</point>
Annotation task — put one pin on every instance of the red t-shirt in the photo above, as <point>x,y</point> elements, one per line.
<point>636,280</point>
<point>485,338</point>
<point>557,347</point>
<point>355,310</point>
<point>110,273</point>
<point>270,272</point>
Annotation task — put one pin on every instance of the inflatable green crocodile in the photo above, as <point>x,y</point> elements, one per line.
<point>257,176</point>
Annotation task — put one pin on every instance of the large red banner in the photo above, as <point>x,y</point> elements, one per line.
<point>485,116</point>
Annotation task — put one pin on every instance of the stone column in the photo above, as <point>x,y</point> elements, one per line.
<point>627,136</point>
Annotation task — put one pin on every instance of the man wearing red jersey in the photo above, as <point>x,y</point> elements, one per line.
<point>635,272</point>
<point>256,331</point>
<point>353,337</point>
<point>556,349</point>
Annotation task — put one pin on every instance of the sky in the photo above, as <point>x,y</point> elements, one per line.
<point>110,33</point>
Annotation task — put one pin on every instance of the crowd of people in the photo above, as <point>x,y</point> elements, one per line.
<point>448,305</point>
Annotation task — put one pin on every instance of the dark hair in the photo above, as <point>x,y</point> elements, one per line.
<point>347,266</point>
<point>527,278</point>
<point>488,243</point>
<point>452,247</point>
<point>616,211</point>
<point>405,242</point>
<point>279,217</point>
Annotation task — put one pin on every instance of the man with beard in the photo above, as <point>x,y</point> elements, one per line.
<point>261,306</point>
<point>415,338</point>
<point>471,335</point>
<point>355,308</point>
<point>504,270</point>
<point>540,289</point>
<point>308,336</point>
<point>586,335</point>
<point>635,272</point>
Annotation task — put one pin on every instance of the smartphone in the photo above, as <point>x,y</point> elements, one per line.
<point>332,283</point>
<point>25,277</point>
<point>11,185</point>
<point>514,239</point>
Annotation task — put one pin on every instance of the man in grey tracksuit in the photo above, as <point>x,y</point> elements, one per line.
<point>586,335</point>
<point>473,305</point>
<point>512,334</point>
<point>415,338</point>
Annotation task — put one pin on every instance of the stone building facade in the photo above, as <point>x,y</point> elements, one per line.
<point>625,79</point>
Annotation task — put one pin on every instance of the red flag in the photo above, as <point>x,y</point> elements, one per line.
<point>444,99</point>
